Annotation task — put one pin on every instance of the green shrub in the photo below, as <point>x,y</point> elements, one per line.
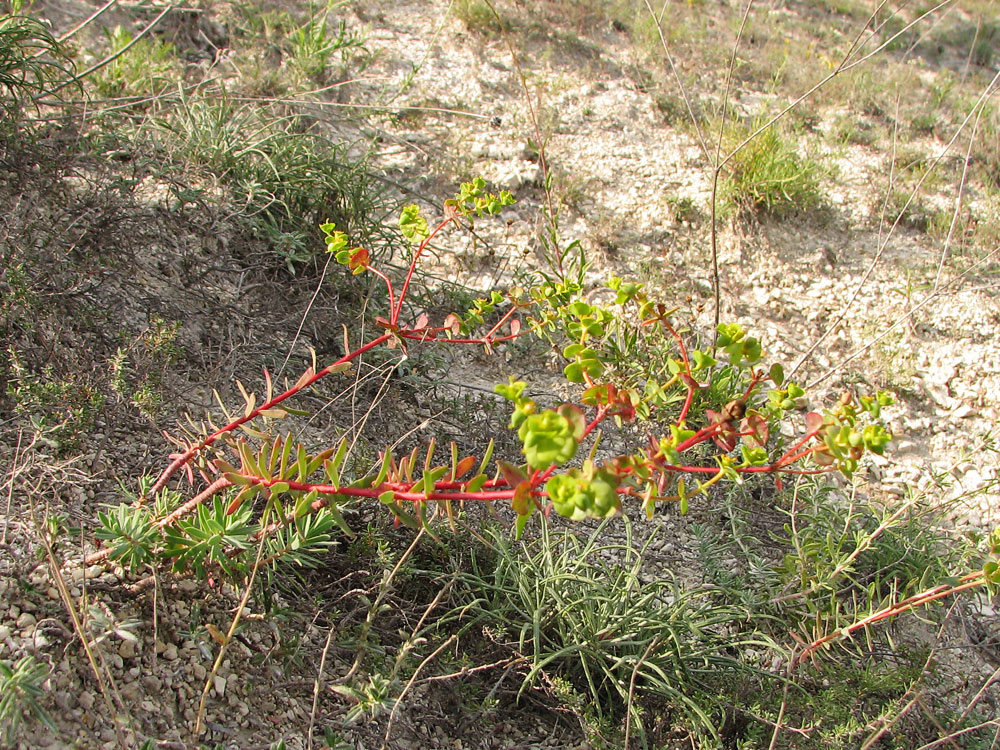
<point>145,68</point>
<point>768,176</point>
<point>618,642</point>
<point>30,59</point>
<point>21,685</point>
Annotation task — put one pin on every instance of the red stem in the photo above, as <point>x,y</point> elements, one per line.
<point>394,315</point>
<point>969,581</point>
<point>404,493</point>
<point>191,452</point>
<point>388,285</point>
<point>809,436</point>
<point>699,437</point>
<point>687,401</point>
<point>602,412</point>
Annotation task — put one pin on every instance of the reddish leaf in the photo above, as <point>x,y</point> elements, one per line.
<point>691,382</point>
<point>725,440</point>
<point>758,425</point>
<point>814,420</point>
<point>453,323</point>
<point>421,322</point>
<point>521,502</point>
<point>464,466</point>
<point>515,326</point>
<point>359,259</point>
<point>512,474</point>
<point>624,410</point>
<point>823,458</point>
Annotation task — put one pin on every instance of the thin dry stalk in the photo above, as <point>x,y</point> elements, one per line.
<point>958,200</point>
<point>542,160</point>
<point>317,687</point>
<point>224,646</point>
<point>384,587</point>
<point>631,688</point>
<point>931,655</point>
<point>931,296</point>
<point>102,671</point>
<point>950,739</point>
<point>305,315</point>
<point>883,243</point>
<point>85,22</point>
<point>717,170</point>
<point>409,684</point>
<point>784,704</point>
<point>11,476</point>
<point>107,60</point>
<point>677,79</point>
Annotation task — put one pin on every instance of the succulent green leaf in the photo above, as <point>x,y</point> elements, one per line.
<point>548,439</point>
<point>413,225</point>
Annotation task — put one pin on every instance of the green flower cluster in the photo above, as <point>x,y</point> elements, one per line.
<point>472,199</point>
<point>743,350</point>
<point>578,495</point>
<point>548,439</point>
<point>845,445</point>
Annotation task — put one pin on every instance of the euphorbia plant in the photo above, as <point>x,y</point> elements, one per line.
<point>711,414</point>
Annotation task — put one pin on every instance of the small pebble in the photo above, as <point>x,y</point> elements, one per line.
<point>26,620</point>
<point>127,650</point>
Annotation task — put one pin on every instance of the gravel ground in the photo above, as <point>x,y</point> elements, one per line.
<point>622,170</point>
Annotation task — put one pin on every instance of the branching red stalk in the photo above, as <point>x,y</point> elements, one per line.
<point>213,489</point>
<point>705,433</point>
<point>421,336</point>
<point>388,285</point>
<point>182,459</point>
<point>687,402</point>
<point>968,581</point>
<point>394,315</point>
<point>602,412</point>
<point>656,471</point>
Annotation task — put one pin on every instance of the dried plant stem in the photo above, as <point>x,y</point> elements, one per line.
<point>717,170</point>
<point>11,476</point>
<point>384,588</point>
<point>223,647</point>
<point>784,705</point>
<point>883,243</point>
<point>317,687</point>
<point>86,22</point>
<point>966,163</point>
<point>631,689</point>
<point>99,672</point>
<point>409,684</point>
<point>110,58</point>
<point>931,296</point>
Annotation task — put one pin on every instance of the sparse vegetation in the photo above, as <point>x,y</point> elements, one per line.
<point>487,469</point>
<point>21,687</point>
<point>769,176</point>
